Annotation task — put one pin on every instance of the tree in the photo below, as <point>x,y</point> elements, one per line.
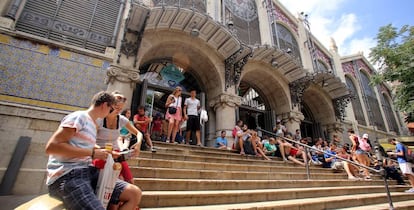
<point>394,54</point>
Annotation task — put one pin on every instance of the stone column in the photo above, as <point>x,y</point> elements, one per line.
<point>225,106</point>
<point>292,120</point>
<point>122,79</point>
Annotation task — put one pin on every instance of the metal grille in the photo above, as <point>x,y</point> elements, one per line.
<point>86,24</point>
<point>374,113</point>
<point>245,19</point>
<point>389,114</point>
<point>356,103</point>
<point>286,40</point>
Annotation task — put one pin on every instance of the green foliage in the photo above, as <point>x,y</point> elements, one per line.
<point>394,54</point>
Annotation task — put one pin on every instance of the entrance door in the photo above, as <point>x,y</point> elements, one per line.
<point>309,127</point>
<point>253,109</point>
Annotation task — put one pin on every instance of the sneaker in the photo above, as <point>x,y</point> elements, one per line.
<point>367,178</point>
<point>353,178</point>
<point>153,149</point>
<point>168,141</point>
<point>410,190</point>
<point>175,142</point>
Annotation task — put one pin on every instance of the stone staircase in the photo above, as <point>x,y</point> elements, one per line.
<point>192,177</point>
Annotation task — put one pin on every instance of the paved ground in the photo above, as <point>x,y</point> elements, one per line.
<point>12,201</point>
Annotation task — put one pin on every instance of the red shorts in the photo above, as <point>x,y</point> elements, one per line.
<point>293,152</point>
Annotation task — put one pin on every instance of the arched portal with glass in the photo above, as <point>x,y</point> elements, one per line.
<point>159,77</point>
<point>254,108</point>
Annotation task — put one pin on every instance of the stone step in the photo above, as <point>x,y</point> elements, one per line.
<point>190,147</point>
<point>329,202</point>
<point>197,198</point>
<point>169,173</point>
<point>152,184</point>
<point>277,167</point>
<point>238,159</point>
<point>400,205</point>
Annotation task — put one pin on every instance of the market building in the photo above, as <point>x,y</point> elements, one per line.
<point>248,59</point>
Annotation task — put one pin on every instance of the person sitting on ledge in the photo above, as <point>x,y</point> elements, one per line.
<point>71,176</point>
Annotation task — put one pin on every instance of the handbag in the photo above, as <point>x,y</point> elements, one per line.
<point>172,110</point>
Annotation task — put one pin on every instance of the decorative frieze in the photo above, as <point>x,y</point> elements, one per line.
<point>348,68</point>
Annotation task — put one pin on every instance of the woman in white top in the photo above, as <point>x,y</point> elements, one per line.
<point>109,130</point>
<point>173,100</point>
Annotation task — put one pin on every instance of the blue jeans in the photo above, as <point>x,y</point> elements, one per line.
<point>77,189</point>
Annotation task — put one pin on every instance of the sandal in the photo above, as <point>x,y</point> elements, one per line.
<point>242,153</point>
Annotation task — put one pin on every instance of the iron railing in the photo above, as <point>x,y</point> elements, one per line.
<point>381,171</point>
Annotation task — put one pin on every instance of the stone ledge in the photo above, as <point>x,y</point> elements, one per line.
<point>42,202</point>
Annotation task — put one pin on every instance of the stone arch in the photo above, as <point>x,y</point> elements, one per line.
<point>188,52</point>
<point>268,81</point>
<point>323,66</point>
<point>320,104</point>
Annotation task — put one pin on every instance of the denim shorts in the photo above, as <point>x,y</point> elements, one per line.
<point>77,189</point>
<point>360,152</point>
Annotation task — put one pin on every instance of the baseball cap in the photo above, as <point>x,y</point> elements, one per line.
<point>365,136</point>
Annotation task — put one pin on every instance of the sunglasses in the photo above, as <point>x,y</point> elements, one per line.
<point>120,99</point>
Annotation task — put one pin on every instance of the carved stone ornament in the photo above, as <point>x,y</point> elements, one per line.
<point>297,88</point>
<point>121,74</point>
<point>340,104</point>
<point>225,100</point>
<point>129,48</point>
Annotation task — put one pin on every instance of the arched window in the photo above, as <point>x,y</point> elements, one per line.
<point>286,40</point>
<point>372,103</point>
<point>356,103</point>
<point>389,114</point>
<point>243,14</point>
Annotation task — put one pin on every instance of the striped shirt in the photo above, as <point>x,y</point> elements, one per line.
<point>85,137</point>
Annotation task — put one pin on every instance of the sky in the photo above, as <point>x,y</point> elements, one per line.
<point>353,24</point>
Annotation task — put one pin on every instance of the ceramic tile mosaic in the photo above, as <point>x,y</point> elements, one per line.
<point>33,71</point>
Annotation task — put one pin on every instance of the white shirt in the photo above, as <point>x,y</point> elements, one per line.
<point>192,106</point>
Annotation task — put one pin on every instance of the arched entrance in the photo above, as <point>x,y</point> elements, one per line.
<point>309,127</point>
<point>159,78</point>
<point>169,59</point>
<point>254,109</point>
<point>264,93</point>
<point>317,107</point>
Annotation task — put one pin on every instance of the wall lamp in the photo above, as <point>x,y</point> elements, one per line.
<point>194,31</point>
<point>274,62</point>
